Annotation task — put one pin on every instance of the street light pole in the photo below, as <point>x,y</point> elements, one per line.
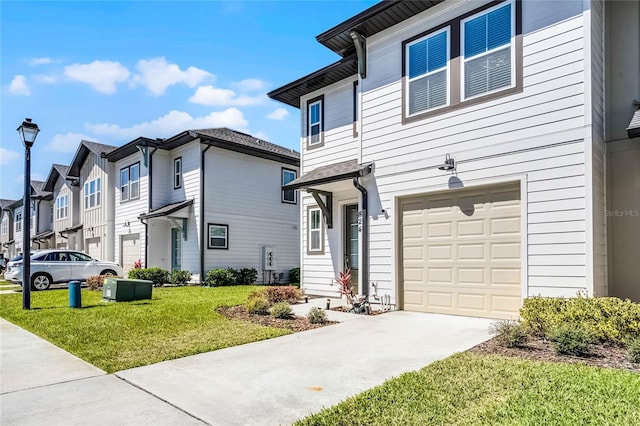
<point>28,131</point>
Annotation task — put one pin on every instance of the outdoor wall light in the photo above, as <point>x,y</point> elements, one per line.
<point>449,164</point>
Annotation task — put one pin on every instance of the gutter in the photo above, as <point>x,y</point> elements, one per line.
<point>149,207</point>
<point>365,238</point>
<point>202,198</point>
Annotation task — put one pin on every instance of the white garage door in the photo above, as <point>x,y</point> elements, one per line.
<point>461,252</point>
<point>93,248</point>
<point>130,251</point>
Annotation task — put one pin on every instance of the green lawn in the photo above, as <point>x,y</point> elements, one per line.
<point>469,389</point>
<point>177,322</point>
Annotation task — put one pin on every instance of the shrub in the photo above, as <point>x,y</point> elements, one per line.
<point>609,319</point>
<point>96,282</point>
<point>634,351</point>
<point>294,275</point>
<point>180,277</point>
<point>282,294</point>
<point>282,310</point>
<point>159,276</point>
<point>571,339</point>
<point>511,334</point>
<point>317,316</point>
<point>246,276</point>
<point>257,305</point>
<point>220,277</point>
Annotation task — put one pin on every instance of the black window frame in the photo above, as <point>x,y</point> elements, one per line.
<point>129,198</point>
<point>176,174</point>
<point>283,192</point>
<point>311,102</point>
<point>221,225</point>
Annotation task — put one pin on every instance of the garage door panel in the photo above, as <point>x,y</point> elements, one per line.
<point>93,248</point>
<point>469,255</point>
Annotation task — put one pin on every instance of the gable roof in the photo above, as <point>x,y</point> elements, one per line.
<point>4,204</point>
<point>373,20</point>
<point>235,141</point>
<point>83,151</point>
<point>132,147</point>
<point>57,171</point>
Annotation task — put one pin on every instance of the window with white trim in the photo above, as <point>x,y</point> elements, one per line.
<point>32,212</point>
<point>288,195</point>
<point>315,240</point>
<point>130,182</point>
<point>488,51</point>
<point>51,213</point>
<point>62,207</point>
<point>17,222</point>
<point>218,236</point>
<point>92,193</point>
<point>177,173</point>
<point>315,124</point>
<point>4,227</point>
<point>428,72</point>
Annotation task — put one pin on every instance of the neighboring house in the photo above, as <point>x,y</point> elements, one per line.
<point>95,230</point>
<point>66,207</point>
<point>454,157</point>
<point>42,234</point>
<point>206,199</point>
<point>6,229</point>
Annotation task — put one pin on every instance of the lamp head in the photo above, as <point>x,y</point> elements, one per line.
<point>449,164</point>
<point>28,132</point>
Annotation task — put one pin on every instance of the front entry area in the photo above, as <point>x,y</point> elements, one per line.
<point>176,249</point>
<point>460,252</point>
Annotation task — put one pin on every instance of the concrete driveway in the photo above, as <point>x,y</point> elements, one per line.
<point>270,382</point>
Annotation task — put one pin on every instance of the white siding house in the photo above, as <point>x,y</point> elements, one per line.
<point>7,243</point>
<point>96,199</point>
<point>461,150</point>
<point>205,199</point>
<point>65,201</point>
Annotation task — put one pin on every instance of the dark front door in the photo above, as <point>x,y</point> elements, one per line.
<point>351,243</point>
<point>176,249</point>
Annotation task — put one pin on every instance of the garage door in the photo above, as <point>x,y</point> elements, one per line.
<point>461,252</point>
<point>93,248</point>
<point>130,249</point>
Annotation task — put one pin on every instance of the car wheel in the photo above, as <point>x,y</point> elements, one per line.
<point>108,273</point>
<point>40,281</point>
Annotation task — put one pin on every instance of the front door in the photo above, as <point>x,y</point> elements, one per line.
<point>176,249</point>
<point>351,243</point>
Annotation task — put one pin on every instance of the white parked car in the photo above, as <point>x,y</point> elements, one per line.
<point>59,266</point>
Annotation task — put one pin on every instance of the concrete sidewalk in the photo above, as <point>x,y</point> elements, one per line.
<point>270,382</point>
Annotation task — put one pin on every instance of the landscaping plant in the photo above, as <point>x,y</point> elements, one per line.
<point>571,339</point>
<point>634,351</point>
<point>282,310</point>
<point>294,275</point>
<point>511,334</point>
<point>317,316</point>
<point>159,276</point>
<point>96,282</point>
<point>283,294</point>
<point>257,305</point>
<point>179,277</point>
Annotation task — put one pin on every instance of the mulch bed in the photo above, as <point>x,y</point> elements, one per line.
<point>295,324</point>
<point>606,356</point>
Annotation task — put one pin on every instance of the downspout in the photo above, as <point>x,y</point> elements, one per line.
<point>202,197</point>
<point>365,238</point>
<point>149,208</point>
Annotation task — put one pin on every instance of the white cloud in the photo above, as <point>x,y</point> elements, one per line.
<point>19,86</point>
<point>157,75</point>
<point>250,85</point>
<point>67,143</point>
<point>173,123</point>
<point>101,75</point>
<point>209,95</point>
<point>42,78</point>
<point>34,176</point>
<point>7,156</point>
<point>278,114</point>
<point>40,61</point>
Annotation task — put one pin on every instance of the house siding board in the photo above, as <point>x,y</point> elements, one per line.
<point>244,192</point>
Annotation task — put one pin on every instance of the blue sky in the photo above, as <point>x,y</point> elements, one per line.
<point>112,71</point>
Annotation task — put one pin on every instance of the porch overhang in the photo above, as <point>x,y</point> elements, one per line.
<point>176,213</point>
<point>318,183</point>
<point>43,235</point>
<point>68,230</point>
<point>634,126</point>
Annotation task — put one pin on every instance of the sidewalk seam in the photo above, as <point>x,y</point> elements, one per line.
<point>55,383</point>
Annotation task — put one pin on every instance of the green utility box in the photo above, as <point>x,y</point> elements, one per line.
<point>125,290</point>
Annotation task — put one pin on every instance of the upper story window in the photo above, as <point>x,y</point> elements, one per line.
<point>51,214</point>
<point>130,182</point>
<point>288,195</point>
<point>487,49</point>
<point>177,173</point>
<point>315,122</point>
<point>92,194</point>
<point>17,222</point>
<point>32,212</point>
<point>62,207</point>
<point>4,227</point>
<point>473,58</point>
<point>315,238</point>
<point>428,72</point>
